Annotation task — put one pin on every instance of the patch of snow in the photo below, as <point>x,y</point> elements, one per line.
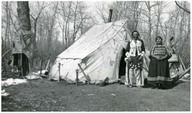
<point>33,76</point>
<point>12,81</point>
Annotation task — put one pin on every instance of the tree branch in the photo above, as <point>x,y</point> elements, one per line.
<point>182,7</point>
<point>32,17</point>
<point>6,53</point>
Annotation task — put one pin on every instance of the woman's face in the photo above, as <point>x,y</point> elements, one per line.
<point>159,40</point>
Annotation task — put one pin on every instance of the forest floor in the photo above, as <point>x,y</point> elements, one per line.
<point>45,95</point>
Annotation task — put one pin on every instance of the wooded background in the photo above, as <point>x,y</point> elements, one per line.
<point>56,25</point>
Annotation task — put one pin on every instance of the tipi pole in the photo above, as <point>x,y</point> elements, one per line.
<point>182,63</point>
<point>77,74</point>
<point>41,67</point>
<point>59,72</point>
<point>47,65</point>
<point>180,75</point>
<point>87,77</point>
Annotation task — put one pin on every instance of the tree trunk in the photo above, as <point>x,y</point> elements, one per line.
<point>63,34</point>
<point>25,35</point>
<point>74,23</point>
<point>189,27</point>
<point>67,26</point>
<point>7,30</point>
<point>175,24</point>
<point>159,13</point>
<point>149,20</point>
<point>34,43</point>
<point>23,15</point>
<point>149,7</point>
<point>50,31</point>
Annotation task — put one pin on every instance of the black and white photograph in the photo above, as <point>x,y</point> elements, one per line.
<point>95,56</point>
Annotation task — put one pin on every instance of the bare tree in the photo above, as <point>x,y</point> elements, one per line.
<point>159,11</point>
<point>35,21</point>
<point>79,17</point>
<point>130,10</point>
<point>25,35</point>
<point>57,25</point>
<point>45,20</point>
<point>101,10</point>
<point>65,12</point>
<point>50,28</point>
<point>149,16</point>
<point>72,18</point>
<point>6,27</point>
<point>178,27</point>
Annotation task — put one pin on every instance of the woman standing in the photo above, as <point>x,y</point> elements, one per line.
<point>159,66</point>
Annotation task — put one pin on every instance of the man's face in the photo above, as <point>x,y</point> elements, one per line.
<point>135,35</point>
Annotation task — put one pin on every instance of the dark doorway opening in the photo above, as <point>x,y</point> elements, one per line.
<point>122,64</point>
<point>22,63</point>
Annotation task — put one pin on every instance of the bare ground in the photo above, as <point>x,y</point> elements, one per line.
<point>45,95</point>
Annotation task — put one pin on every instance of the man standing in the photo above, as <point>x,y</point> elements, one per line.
<point>134,59</point>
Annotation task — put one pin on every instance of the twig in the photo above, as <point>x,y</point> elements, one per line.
<point>182,7</point>
<point>6,53</point>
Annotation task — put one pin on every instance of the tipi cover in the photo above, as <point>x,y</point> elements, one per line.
<point>96,54</point>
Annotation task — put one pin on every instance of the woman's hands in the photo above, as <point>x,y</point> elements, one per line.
<point>161,57</point>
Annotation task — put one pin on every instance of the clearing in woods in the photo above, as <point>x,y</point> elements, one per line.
<point>45,95</point>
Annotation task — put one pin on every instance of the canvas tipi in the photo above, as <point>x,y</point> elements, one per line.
<point>96,54</point>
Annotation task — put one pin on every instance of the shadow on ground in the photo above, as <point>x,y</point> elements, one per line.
<point>45,95</point>
<point>166,86</point>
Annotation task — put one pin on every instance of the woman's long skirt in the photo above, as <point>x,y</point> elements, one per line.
<point>158,71</point>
